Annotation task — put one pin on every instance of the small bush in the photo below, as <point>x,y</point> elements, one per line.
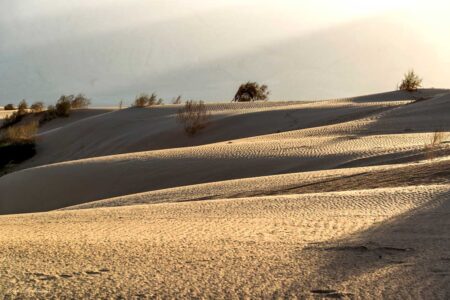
<point>48,115</point>
<point>144,100</point>
<point>251,91</point>
<point>411,82</point>
<point>17,143</point>
<point>436,140</point>
<point>64,105</point>
<point>20,133</point>
<point>37,107</point>
<point>22,107</point>
<point>9,107</point>
<point>80,101</point>
<point>193,116</point>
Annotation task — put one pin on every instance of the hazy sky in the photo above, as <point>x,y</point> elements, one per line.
<point>112,50</point>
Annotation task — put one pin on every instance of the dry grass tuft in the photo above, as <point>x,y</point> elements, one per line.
<point>437,139</point>
<point>193,116</point>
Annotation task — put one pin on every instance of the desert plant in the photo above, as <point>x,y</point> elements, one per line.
<point>193,116</point>
<point>411,82</point>
<point>20,133</point>
<point>251,91</point>
<point>160,101</point>
<point>177,100</point>
<point>37,107</point>
<point>22,107</point>
<point>144,100</point>
<point>436,140</point>
<point>17,143</point>
<point>80,101</point>
<point>64,105</point>
<point>9,107</point>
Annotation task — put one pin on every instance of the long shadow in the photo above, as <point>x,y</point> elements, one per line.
<point>406,256</point>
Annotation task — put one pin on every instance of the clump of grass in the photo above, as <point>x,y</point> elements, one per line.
<point>193,116</point>
<point>436,141</point>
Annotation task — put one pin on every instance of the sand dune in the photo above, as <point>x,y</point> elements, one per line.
<point>313,148</point>
<point>336,199</point>
<point>279,246</point>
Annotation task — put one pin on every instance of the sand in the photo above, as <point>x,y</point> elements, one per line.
<point>336,199</point>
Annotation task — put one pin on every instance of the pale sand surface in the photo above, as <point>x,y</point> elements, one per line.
<point>370,243</point>
<point>334,199</point>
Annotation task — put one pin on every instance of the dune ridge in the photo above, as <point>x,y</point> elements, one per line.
<point>337,199</point>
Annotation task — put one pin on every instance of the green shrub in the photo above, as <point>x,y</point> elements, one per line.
<point>193,116</point>
<point>251,91</point>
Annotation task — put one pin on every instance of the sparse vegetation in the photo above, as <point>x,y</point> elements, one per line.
<point>9,107</point>
<point>251,91</point>
<point>79,101</point>
<point>63,106</point>
<point>17,143</point>
<point>411,82</point>
<point>37,107</point>
<point>144,100</point>
<point>22,107</point>
<point>437,139</point>
<point>193,116</point>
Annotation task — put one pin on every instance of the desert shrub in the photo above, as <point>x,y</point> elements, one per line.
<point>251,91</point>
<point>144,100</point>
<point>411,82</point>
<point>9,107</point>
<point>177,100</point>
<point>22,107</point>
<point>436,140</point>
<point>20,133</point>
<point>80,101</point>
<point>48,115</point>
<point>17,143</point>
<point>193,116</point>
<point>64,105</point>
<point>37,107</point>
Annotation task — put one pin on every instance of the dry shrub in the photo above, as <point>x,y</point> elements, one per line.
<point>64,105</point>
<point>9,107</point>
<point>437,139</point>
<point>193,116</point>
<point>251,91</point>
<point>37,107</point>
<point>80,101</point>
<point>21,133</point>
<point>411,82</point>
<point>144,100</point>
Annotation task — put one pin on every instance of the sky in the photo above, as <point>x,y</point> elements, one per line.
<point>203,49</point>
